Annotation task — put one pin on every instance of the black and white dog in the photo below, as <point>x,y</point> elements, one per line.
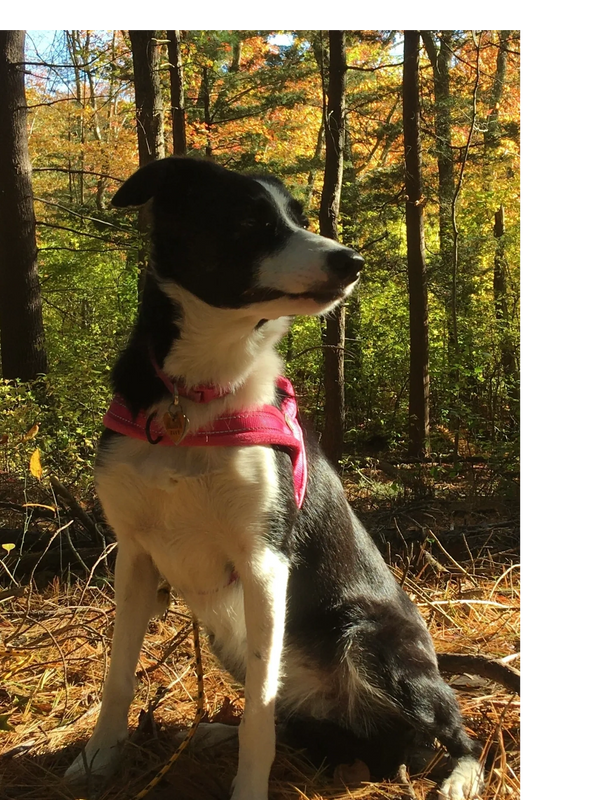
<point>299,604</point>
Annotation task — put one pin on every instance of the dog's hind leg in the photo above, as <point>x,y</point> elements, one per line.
<point>264,579</point>
<point>434,710</point>
<point>136,582</point>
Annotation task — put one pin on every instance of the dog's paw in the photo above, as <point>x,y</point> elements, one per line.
<point>465,781</point>
<point>95,764</point>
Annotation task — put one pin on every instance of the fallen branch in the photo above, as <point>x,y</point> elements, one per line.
<point>459,664</point>
<point>7,594</point>
<point>71,503</point>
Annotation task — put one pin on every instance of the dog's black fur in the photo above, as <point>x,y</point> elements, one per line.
<point>211,228</point>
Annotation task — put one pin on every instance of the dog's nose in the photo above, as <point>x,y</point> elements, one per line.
<point>345,264</point>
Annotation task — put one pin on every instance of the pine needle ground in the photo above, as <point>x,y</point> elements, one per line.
<point>456,554</point>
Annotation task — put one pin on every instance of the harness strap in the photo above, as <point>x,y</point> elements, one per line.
<point>267,425</point>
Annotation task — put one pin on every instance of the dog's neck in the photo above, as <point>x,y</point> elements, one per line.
<point>229,348</point>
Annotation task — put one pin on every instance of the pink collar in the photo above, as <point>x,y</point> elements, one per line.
<point>199,394</point>
<point>267,425</point>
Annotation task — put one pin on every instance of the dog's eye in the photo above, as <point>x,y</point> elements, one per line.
<point>305,223</point>
<point>253,224</point>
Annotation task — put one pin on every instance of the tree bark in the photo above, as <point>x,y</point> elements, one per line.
<point>148,99</point>
<point>204,101</point>
<point>21,324</point>
<point>334,334</point>
<point>73,39</point>
<point>149,120</point>
<point>418,401</point>
<point>177,96</point>
<point>507,352</point>
<point>440,59</point>
<point>491,137</point>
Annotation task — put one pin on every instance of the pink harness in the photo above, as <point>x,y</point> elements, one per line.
<point>267,425</point>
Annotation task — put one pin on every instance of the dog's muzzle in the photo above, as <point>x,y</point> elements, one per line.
<point>345,265</point>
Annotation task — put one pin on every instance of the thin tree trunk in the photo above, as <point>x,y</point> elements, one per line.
<point>111,111</point>
<point>149,118</point>
<point>456,358</point>
<point>418,401</point>
<point>148,100</point>
<point>440,61</point>
<point>74,47</point>
<point>491,137</point>
<point>310,184</point>
<point>334,334</point>
<point>204,100</point>
<point>101,182</point>
<point>88,74</point>
<point>507,352</point>
<point>21,324</point>
<point>236,57</point>
<point>177,96</point>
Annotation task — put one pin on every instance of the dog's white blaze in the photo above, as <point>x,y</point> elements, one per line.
<point>281,199</point>
<point>301,266</point>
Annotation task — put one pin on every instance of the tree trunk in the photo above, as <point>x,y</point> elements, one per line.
<point>310,183</point>
<point>149,120</point>
<point>21,324</point>
<point>148,99</point>
<point>204,101</point>
<point>74,47</point>
<point>334,334</point>
<point>418,401</point>
<point>177,96</point>
<point>440,59</point>
<point>500,298</point>
<point>491,137</point>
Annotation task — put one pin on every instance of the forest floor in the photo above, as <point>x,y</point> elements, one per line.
<point>452,538</point>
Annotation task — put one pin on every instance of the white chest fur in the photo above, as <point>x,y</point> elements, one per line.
<point>196,511</point>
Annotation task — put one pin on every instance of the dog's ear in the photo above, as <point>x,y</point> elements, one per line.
<point>142,185</point>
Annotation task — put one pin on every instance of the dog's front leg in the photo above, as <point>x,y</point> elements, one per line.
<point>264,580</point>
<point>136,582</point>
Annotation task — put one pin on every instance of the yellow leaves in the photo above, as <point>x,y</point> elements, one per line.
<point>8,546</point>
<point>35,464</point>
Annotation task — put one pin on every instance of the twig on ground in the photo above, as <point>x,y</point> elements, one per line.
<point>459,663</point>
<point>472,578</point>
<point>406,782</point>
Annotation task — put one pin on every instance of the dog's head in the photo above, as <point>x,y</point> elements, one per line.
<point>235,240</point>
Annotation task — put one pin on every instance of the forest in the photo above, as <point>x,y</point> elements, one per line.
<point>403,145</point>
